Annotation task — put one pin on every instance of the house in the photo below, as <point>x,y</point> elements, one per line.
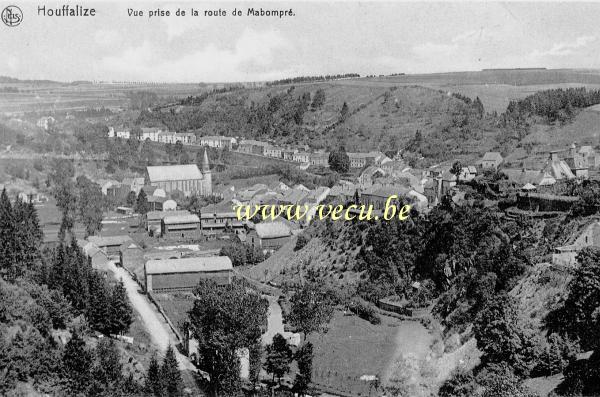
<point>46,123</point>
<point>288,154</point>
<point>251,146</point>
<point>468,173</point>
<point>154,219</point>
<point>273,151</point>
<point>357,160</point>
<point>558,168</point>
<point>167,137</point>
<point>218,141</point>
<point>150,133</point>
<point>123,134</point>
<point>319,159</point>
<point>491,160</point>
<point>32,197</point>
<point>369,175</point>
<point>269,236</point>
<point>219,222</point>
<point>187,138</point>
<point>110,245</point>
<point>184,274</point>
<point>181,226</point>
<point>301,157</point>
<point>393,167</point>
<point>378,196</point>
<point>591,156</point>
<point>293,196</point>
<point>577,162</point>
<point>132,184</point>
<point>448,182</point>
<point>343,192</point>
<point>185,178</point>
<point>523,177</point>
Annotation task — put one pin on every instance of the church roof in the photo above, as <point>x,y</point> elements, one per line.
<point>163,173</point>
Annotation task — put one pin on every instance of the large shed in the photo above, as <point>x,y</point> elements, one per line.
<point>171,275</point>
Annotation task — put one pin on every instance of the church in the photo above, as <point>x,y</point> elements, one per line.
<point>187,178</point>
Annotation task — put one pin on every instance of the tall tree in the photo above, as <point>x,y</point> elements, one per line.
<point>339,160</point>
<point>171,377</point>
<point>312,308</point>
<point>279,357</point>
<point>223,320</point>
<point>121,313</point>
<point>304,358</point>
<point>154,382</point>
<point>77,364</point>
<point>7,237</point>
<point>344,111</point>
<point>142,206</point>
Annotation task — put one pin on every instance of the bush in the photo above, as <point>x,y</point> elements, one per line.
<point>364,311</point>
<point>301,242</point>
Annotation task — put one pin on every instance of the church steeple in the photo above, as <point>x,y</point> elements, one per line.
<point>205,165</point>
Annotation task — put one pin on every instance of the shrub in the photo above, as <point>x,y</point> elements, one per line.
<point>301,242</point>
<point>364,311</point>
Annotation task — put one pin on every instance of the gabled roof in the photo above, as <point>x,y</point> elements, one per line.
<point>157,215</point>
<point>272,229</point>
<point>163,173</point>
<point>100,241</point>
<point>189,265</point>
<point>492,156</point>
<point>177,219</point>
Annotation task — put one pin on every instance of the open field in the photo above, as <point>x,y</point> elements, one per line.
<point>353,347</point>
<point>48,96</point>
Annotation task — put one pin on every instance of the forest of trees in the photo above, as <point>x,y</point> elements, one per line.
<point>467,259</point>
<point>42,292</point>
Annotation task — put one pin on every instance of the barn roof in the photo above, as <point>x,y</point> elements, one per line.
<point>156,215</point>
<point>109,240</point>
<point>272,230</point>
<point>162,173</point>
<point>185,218</point>
<point>189,265</point>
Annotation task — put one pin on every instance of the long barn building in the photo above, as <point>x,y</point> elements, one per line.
<point>172,275</point>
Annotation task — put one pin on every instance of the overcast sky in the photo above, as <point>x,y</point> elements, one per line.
<point>322,38</point>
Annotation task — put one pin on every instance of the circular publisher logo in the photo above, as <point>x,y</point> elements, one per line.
<point>12,16</point>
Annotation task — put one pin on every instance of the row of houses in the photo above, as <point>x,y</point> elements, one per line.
<point>305,156</point>
<point>154,135</point>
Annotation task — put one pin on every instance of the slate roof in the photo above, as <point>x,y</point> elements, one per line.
<point>189,265</point>
<point>163,173</point>
<point>272,230</point>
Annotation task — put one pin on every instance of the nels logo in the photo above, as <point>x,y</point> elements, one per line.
<point>12,16</point>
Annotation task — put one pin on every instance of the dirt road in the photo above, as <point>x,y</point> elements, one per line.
<point>157,328</point>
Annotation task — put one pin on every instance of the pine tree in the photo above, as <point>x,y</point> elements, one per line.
<point>304,358</point>
<point>141,206</point>
<point>98,314</point>
<point>77,364</point>
<point>7,236</point>
<point>108,367</point>
<point>154,382</point>
<point>344,111</point>
<point>121,314</point>
<point>170,374</point>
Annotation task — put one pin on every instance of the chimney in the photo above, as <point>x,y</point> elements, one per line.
<point>554,156</point>
<point>572,150</point>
